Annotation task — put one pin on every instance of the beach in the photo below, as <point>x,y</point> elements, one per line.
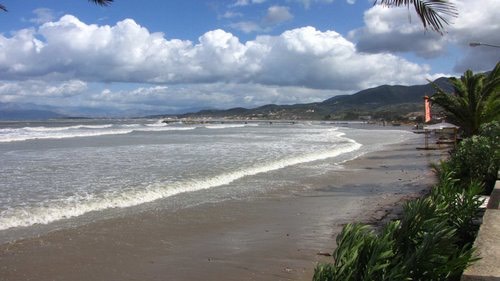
<point>277,235</point>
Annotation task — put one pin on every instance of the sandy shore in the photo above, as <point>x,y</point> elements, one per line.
<point>275,237</point>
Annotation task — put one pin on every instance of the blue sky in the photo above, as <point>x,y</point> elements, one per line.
<point>157,56</point>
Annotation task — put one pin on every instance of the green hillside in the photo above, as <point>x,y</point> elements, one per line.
<point>383,102</point>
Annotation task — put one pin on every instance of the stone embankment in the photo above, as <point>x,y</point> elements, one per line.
<point>488,243</point>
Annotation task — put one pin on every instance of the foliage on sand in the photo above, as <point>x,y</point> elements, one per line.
<point>431,241</point>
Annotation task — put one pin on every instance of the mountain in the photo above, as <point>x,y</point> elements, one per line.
<point>383,102</point>
<point>387,94</point>
<point>10,111</point>
<point>28,114</point>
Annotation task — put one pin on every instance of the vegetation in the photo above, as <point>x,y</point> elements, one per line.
<point>477,158</point>
<point>430,242</point>
<point>388,102</point>
<point>475,100</point>
<point>433,238</point>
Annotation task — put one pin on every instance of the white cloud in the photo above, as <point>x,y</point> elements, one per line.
<point>230,15</point>
<point>127,52</point>
<point>42,15</point>
<point>277,14</point>
<point>247,2</point>
<point>37,91</point>
<point>477,22</point>
<point>56,63</point>
<point>389,30</point>
<point>150,99</point>
<point>246,26</point>
<point>307,3</point>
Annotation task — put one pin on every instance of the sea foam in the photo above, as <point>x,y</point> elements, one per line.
<point>46,212</point>
<point>33,133</point>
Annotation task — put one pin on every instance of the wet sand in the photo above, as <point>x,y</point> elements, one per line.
<point>274,237</point>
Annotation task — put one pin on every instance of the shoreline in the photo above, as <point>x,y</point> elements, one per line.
<point>273,237</point>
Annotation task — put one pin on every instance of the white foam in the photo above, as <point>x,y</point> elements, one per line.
<point>33,133</point>
<point>164,129</point>
<point>79,205</point>
<point>23,136</point>
<point>227,126</point>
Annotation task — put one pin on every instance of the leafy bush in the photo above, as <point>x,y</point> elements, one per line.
<point>491,130</point>
<point>429,242</point>
<point>363,255</point>
<point>459,206</point>
<point>476,158</point>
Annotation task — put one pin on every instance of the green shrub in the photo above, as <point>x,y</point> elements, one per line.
<point>431,241</point>
<point>459,206</point>
<point>324,272</point>
<point>476,158</point>
<point>428,245</point>
<point>363,255</point>
<point>491,130</point>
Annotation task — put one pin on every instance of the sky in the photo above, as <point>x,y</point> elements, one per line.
<point>136,58</point>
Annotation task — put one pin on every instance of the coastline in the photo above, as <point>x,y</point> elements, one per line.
<point>274,237</point>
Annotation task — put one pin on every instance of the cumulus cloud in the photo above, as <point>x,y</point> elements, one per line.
<point>36,90</point>
<point>389,30</point>
<point>178,97</point>
<point>127,52</point>
<point>477,22</point>
<point>125,69</point>
<point>144,99</point>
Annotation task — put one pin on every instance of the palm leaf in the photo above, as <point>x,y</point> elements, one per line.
<point>102,2</point>
<point>474,101</point>
<point>434,14</point>
<point>3,8</point>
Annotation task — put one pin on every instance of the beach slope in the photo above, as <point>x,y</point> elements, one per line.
<point>277,236</point>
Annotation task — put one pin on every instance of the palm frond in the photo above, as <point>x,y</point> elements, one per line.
<point>434,14</point>
<point>3,8</point>
<point>102,2</point>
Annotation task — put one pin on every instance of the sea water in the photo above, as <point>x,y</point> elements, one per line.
<point>60,170</point>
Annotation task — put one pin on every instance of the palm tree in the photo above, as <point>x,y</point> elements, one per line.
<point>475,101</point>
<point>433,13</point>
<point>98,2</point>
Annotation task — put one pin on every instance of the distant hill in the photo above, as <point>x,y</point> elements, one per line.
<point>28,115</point>
<point>10,111</point>
<point>387,94</point>
<point>386,101</point>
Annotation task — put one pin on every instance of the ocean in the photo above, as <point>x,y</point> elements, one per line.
<point>64,173</point>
